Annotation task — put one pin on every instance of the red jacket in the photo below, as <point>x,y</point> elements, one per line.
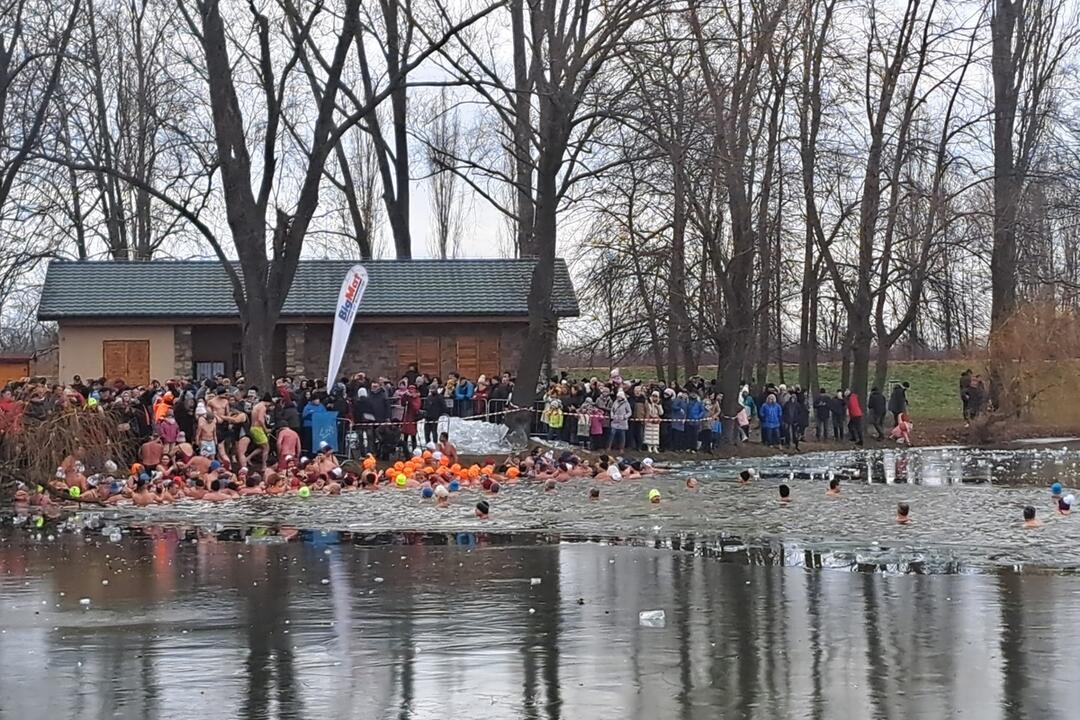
<point>853,408</point>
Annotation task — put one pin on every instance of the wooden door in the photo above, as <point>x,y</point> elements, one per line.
<point>406,354</point>
<point>428,357</point>
<point>127,359</point>
<point>468,357</point>
<point>489,357</point>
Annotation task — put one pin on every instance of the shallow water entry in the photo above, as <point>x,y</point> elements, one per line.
<point>469,628</point>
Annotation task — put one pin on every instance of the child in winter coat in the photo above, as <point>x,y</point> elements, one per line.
<point>596,427</point>
<point>554,419</point>
<point>583,419</point>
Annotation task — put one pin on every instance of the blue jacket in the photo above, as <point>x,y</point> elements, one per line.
<point>464,390</point>
<point>696,411</point>
<point>678,415</point>
<point>311,409</point>
<point>770,415</point>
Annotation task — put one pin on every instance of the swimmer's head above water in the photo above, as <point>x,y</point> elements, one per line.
<point>1029,517</point>
<point>785,493</point>
<point>594,493</point>
<point>834,486</point>
<point>902,512</point>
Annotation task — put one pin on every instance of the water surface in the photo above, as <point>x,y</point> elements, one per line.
<point>471,626</point>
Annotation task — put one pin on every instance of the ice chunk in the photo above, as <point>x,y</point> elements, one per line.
<point>652,618</point>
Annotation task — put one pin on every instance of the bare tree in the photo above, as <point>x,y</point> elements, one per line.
<point>444,143</point>
<point>732,81</point>
<point>1030,40</point>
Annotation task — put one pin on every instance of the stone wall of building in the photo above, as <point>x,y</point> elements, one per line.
<point>183,350</point>
<point>296,350</point>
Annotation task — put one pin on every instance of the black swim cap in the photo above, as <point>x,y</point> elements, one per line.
<point>483,507</point>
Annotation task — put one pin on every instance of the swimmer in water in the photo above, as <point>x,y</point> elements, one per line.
<point>745,477</point>
<point>834,488</point>
<point>1055,492</point>
<point>654,496</point>
<point>594,493</point>
<point>442,497</point>
<point>1065,505</point>
<point>902,510</point>
<point>785,494</point>
<point>550,486</point>
<point>482,509</point>
<point>1029,518</point>
<point>691,483</point>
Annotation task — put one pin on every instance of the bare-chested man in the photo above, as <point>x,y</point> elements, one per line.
<point>260,434</point>
<point>288,446</point>
<point>206,434</point>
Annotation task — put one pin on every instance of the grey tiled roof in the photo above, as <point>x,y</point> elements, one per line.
<point>201,288</point>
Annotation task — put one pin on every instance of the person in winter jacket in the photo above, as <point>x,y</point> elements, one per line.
<point>596,426</point>
<point>654,412</point>
<point>434,408</point>
<point>620,421</point>
<point>584,417</point>
<point>790,422</point>
<point>838,412</point>
<point>463,397</point>
<point>855,417</point>
<point>677,430</point>
<point>821,415</point>
<point>771,415</point>
<point>411,405</point>
<point>875,405</point>
<point>898,402</point>
<point>695,414</point>
<point>554,415</point>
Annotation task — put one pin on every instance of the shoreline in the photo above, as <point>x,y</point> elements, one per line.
<point>932,433</point>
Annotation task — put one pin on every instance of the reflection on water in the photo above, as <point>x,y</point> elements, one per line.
<point>316,628</point>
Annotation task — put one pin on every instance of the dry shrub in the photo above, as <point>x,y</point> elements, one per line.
<point>36,449</point>
<point>1037,358</point>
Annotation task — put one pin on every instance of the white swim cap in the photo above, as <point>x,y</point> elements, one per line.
<point>441,491</point>
<point>1070,499</point>
<point>416,452</point>
<point>437,455</point>
<point>647,461</point>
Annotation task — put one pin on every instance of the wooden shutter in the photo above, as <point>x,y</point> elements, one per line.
<point>489,357</point>
<point>406,352</point>
<point>138,362</point>
<point>114,359</point>
<point>468,357</point>
<point>127,359</point>
<point>428,358</point>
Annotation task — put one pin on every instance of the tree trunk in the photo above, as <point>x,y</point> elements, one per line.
<point>522,160</point>
<point>678,327</point>
<point>1003,27</point>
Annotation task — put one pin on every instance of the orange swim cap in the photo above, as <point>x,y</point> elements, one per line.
<point>399,465</point>
<point>426,455</point>
<point>443,462</point>
<point>455,467</point>
<point>512,472</point>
